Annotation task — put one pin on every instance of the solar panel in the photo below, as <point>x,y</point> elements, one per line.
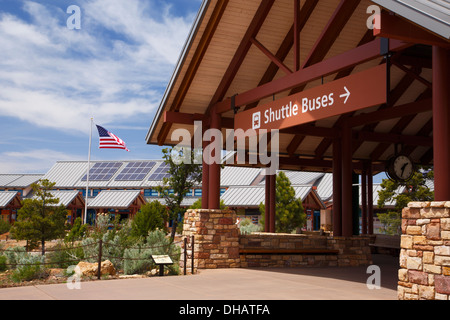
<point>160,172</point>
<point>135,171</point>
<point>103,171</point>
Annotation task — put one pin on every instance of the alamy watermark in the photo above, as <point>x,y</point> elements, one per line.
<point>74,21</point>
<point>74,281</point>
<point>374,280</point>
<point>374,21</point>
<point>256,142</point>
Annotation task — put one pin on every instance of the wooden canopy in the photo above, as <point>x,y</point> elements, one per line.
<point>245,54</point>
<point>261,50</point>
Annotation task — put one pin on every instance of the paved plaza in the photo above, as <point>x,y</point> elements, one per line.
<point>230,284</point>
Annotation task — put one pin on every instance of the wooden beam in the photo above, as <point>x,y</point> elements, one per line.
<point>332,65</point>
<point>297,31</point>
<point>331,31</point>
<point>391,113</point>
<point>326,143</point>
<point>393,138</point>
<point>285,47</point>
<point>399,127</point>
<point>395,27</point>
<point>241,53</point>
<point>189,119</point>
<point>272,57</point>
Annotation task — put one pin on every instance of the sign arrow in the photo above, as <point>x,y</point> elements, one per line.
<point>347,95</point>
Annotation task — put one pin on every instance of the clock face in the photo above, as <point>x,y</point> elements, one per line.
<point>403,168</point>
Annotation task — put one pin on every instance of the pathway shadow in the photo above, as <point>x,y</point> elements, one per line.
<point>389,266</point>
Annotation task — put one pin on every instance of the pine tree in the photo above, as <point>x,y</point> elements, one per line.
<point>289,211</point>
<point>184,175</point>
<point>415,189</point>
<point>40,218</point>
<point>150,217</point>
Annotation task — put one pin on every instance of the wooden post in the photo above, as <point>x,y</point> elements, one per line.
<point>100,249</point>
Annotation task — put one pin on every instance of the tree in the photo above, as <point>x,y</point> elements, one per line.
<point>40,218</point>
<point>415,189</point>
<point>289,212</point>
<point>184,175</point>
<point>151,217</point>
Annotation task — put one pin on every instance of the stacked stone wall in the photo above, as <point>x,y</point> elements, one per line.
<point>425,252</point>
<point>352,251</point>
<point>216,238</point>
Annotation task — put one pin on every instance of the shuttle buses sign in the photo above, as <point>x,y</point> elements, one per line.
<point>361,90</point>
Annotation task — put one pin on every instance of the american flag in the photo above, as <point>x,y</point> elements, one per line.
<point>109,140</point>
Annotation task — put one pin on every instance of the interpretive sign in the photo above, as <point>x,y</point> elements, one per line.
<point>358,91</point>
<point>162,260</point>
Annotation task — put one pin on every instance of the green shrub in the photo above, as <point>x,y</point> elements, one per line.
<point>3,266</point>
<point>5,226</point>
<point>77,232</point>
<point>151,217</point>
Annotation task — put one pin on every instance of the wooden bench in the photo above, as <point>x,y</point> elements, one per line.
<point>264,251</point>
<point>387,242</point>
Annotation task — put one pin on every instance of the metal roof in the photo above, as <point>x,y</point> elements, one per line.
<point>235,176</point>
<point>65,197</point>
<point>6,197</point>
<point>255,195</point>
<point>433,15</point>
<point>325,187</point>
<point>119,199</point>
<point>18,180</point>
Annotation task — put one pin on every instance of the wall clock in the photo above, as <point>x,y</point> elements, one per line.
<point>400,168</point>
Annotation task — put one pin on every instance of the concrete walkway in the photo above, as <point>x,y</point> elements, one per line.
<point>230,284</point>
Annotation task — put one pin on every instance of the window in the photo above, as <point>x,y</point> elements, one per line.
<point>197,192</point>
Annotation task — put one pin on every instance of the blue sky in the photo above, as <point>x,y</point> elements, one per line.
<point>114,69</point>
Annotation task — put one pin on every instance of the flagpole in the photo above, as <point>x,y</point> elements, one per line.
<point>87,173</point>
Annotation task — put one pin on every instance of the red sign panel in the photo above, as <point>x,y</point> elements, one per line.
<point>361,90</point>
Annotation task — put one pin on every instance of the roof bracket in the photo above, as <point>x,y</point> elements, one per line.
<point>233,104</point>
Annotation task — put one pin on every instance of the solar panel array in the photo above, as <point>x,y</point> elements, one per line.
<point>103,171</point>
<point>160,172</point>
<point>135,171</point>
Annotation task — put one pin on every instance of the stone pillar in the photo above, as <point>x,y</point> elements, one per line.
<point>216,238</point>
<point>425,252</point>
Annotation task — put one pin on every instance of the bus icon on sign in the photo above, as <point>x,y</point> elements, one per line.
<point>256,124</point>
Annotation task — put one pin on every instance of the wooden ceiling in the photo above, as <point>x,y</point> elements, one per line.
<point>257,51</point>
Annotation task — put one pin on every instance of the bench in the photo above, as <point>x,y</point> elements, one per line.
<point>264,251</point>
<point>387,242</point>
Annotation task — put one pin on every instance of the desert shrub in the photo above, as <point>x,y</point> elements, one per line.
<point>64,254</point>
<point>13,255</point>
<point>246,226</point>
<point>29,267</point>
<point>139,260</point>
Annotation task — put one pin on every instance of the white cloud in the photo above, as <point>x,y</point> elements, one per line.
<point>58,78</point>
<point>33,161</point>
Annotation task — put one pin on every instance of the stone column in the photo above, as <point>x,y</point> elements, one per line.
<point>425,252</point>
<point>216,238</point>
